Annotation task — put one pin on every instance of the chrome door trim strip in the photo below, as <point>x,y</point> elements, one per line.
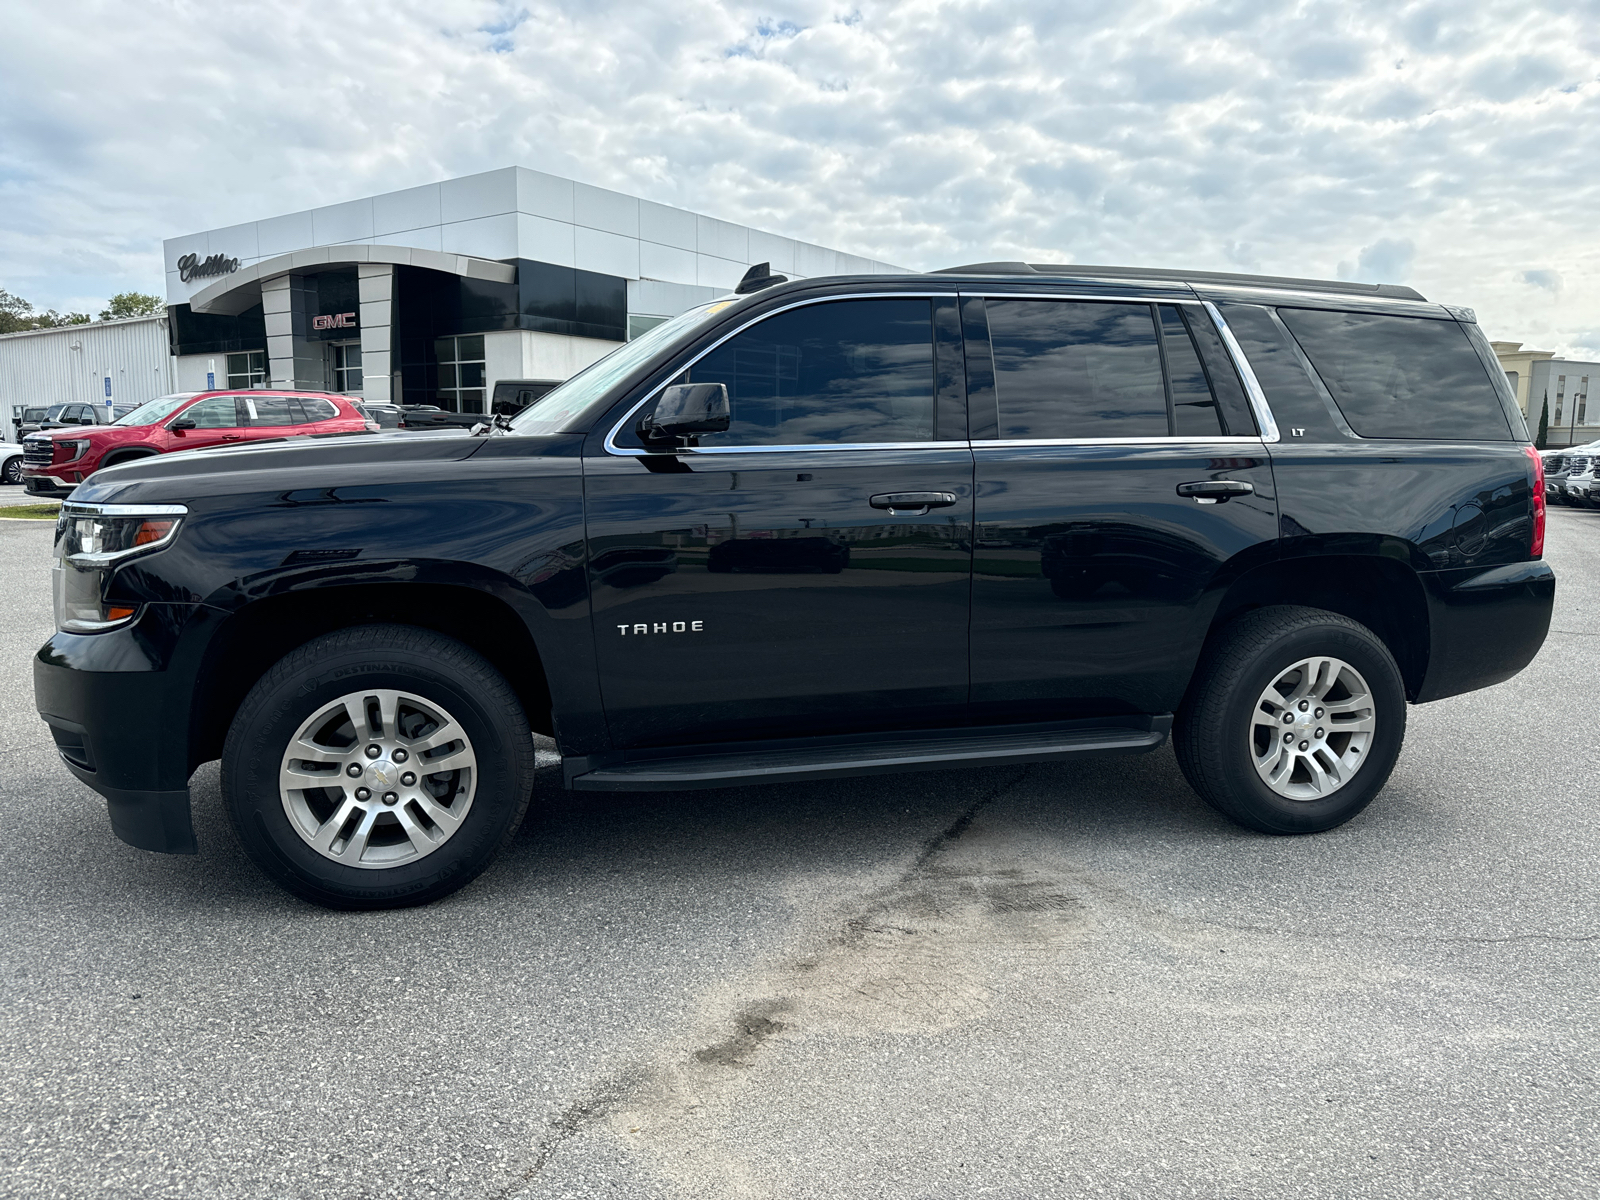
<point>610,443</point>
<point>1122,441</point>
<point>1252,386</point>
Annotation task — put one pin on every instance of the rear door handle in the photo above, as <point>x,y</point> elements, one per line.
<point>1216,491</point>
<point>915,503</point>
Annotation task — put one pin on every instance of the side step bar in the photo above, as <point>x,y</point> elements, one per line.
<point>740,763</point>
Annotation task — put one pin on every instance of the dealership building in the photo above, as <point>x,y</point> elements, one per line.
<point>424,296</point>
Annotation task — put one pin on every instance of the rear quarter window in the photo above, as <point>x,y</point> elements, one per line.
<point>1401,377</point>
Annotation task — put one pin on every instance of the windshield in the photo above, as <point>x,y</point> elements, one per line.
<point>53,413</point>
<point>556,411</point>
<point>155,410</point>
<point>33,414</point>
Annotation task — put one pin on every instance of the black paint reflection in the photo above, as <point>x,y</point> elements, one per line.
<point>843,372</point>
<point>1400,377</point>
<point>1067,369</point>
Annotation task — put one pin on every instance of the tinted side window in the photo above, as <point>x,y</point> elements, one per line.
<point>840,372</point>
<point>274,410</point>
<point>1075,369</point>
<point>1194,408</point>
<point>317,410</point>
<point>216,413</point>
<point>1400,377</point>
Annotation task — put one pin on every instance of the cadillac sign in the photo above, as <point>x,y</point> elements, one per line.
<point>190,266</point>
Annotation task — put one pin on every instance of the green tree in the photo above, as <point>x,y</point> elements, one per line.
<point>132,304</point>
<point>17,315</point>
<point>1544,423</point>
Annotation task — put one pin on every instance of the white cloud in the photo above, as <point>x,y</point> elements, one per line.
<point>1449,144</point>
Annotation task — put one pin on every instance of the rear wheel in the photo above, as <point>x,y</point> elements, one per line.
<point>11,472</point>
<point>378,767</point>
<point>1294,721</point>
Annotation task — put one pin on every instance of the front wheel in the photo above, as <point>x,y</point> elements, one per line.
<point>379,767</point>
<point>1294,720</point>
<point>11,472</point>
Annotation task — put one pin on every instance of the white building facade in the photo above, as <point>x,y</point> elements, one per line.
<point>434,294</point>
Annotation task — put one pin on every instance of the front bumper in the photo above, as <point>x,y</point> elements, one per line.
<point>47,485</point>
<point>1484,626</point>
<point>120,721</point>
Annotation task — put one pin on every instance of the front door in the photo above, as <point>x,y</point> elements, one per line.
<point>217,420</point>
<point>1095,574</point>
<point>763,584</point>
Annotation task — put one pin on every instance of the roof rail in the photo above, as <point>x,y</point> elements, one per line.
<point>1391,291</point>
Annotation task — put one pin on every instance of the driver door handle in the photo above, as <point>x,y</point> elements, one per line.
<point>914,503</point>
<point>1215,491</point>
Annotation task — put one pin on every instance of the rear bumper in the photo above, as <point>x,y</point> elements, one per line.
<point>1484,626</point>
<point>120,721</point>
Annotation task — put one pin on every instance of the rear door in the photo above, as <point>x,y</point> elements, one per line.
<point>1094,574</point>
<point>766,583</point>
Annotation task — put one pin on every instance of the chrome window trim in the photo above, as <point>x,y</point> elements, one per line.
<point>627,452</point>
<point>1252,386</point>
<point>1122,441</point>
<point>1256,397</point>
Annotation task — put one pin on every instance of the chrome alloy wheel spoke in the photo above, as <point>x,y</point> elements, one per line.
<point>1312,728</point>
<point>359,786</point>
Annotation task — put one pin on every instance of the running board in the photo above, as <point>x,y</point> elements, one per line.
<point>736,764</point>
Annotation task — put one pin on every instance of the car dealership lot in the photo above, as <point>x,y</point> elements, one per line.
<point>1057,980</point>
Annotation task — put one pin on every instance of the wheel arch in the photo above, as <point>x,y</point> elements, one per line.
<point>1381,591</point>
<point>255,636</point>
<point>115,458</point>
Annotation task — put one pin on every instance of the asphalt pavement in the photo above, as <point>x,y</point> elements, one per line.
<point>1065,981</point>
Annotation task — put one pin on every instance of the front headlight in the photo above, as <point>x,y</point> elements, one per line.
<point>92,541</point>
<point>71,448</point>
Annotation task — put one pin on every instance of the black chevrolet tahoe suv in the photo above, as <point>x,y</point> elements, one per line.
<point>997,514</point>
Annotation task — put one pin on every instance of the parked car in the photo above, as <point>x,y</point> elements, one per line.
<point>431,416</point>
<point>1084,508</point>
<point>10,462</point>
<point>1580,483</point>
<point>28,421</point>
<point>63,416</point>
<point>1558,464</point>
<point>56,462</point>
<point>511,396</point>
<point>387,416</point>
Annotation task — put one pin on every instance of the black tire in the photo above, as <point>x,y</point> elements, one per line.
<point>1213,728</point>
<point>429,665</point>
<point>12,471</point>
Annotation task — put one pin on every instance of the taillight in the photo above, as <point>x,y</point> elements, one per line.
<point>1537,549</point>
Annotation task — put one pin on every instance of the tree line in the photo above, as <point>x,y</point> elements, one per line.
<point>17,315</point>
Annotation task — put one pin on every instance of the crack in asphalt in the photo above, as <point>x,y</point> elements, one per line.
<point>753,1026</point>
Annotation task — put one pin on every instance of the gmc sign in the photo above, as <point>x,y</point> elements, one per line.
<point>334,321</point>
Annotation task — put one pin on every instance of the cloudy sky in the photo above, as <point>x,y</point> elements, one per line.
<point>1454,146</point>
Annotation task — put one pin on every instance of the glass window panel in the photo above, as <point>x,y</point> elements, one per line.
<point>218,412</point>
<point>444,349</point>
<point>846,371</point>
<point>352,355</point>
<point>352,380</point>
<point>471,375</point>
<point>1401,377</point>
<point>273,410</point>
<point>471,402</point>
<point>1194,408</point>
<point>320,410</point>
<point>1073,369</point>
<point>469,349</point>
<point>447,375</point>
